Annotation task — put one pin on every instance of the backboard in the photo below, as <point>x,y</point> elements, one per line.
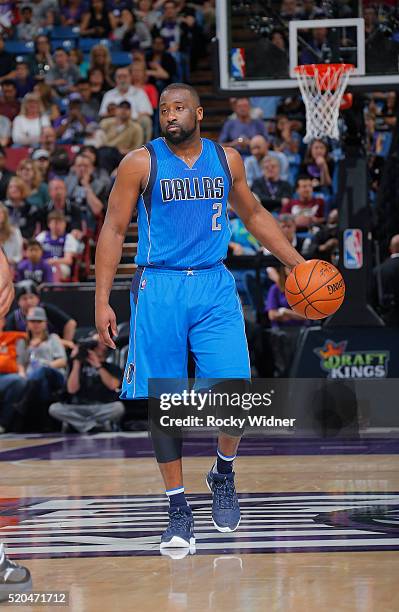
<point>259,45</point>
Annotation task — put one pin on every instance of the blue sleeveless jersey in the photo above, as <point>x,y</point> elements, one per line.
<point>182,213</point>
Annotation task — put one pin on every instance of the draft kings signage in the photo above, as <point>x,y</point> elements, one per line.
<point>338,362</point>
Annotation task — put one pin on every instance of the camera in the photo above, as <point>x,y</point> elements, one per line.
<point>84,346</point>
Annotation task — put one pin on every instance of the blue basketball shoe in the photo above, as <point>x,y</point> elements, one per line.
<point>180,531</point>
<point>226,514</point>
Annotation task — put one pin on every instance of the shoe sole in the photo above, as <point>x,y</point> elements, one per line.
<point>221,529</point>
<point>177,542</point>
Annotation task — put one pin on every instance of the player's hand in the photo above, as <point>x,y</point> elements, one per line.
<point>106,320</point>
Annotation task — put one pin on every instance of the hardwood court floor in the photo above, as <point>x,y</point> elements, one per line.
<point>88,522</point>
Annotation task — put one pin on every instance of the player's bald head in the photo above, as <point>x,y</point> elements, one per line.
<point>175,88</point>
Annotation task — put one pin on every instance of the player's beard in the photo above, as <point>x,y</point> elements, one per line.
<point>180,136</point>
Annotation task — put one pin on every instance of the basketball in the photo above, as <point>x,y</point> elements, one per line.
<point>315,289</point>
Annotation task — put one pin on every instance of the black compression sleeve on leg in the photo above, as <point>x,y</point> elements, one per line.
<point>166,441</point>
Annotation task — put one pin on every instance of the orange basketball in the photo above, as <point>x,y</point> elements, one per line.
<point>315,289</point>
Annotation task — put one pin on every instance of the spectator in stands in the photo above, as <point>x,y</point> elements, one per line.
<point>92,385</point>
<point>47,98</point>
<point>307,209</point>
<point>259,148</point>
<point>12,385</point>
<point>313,53</point>
<point>72,12</point>
<point>310,10</point>
<point>318,165</point>
<point>7,62</point>
<point>140,79</point>
<point>9,105</point>
<point>89,104</point>
<point>48,140</point>
<point>136,34</point>
<point>285,324</point>
<point>238,132</point>
<point>27,126</point>
<point>38,195</point>
<point>41,357</point>
<point>21,214</point>
<point>277,307</point>
<point>169,27</point>
<point>146,13</point>
<point>100,58</point>
<point>71,127</point>
<point>10,238</point>
<point>27,29</point>
<point>241,241</point>
<point>5,131</point>
<point>79,60</point>
<point>121,131</point>
<point>388,273</point>
<point>272,192</point>
<point>34,267</point>
<point>63,76</point>
<point>59,247</point>
<point>5,174</point>
<point>324,244</point>
<point>60,202</point>
<point>27,295</point>
<point>99,172</point>
<point>88,192</point>
<point>124,90</point>
<point>41,62</point>
<point>288,227</point>
<point>286,139</point>
<point>97,84</point>
<point>24,82</point>
<point>41,10</point>
<point>289,10</point>
<point>161,65</point>
<point>41,161</point>
<point>97,22</point>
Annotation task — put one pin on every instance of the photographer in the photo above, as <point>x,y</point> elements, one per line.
<point>92,384</point>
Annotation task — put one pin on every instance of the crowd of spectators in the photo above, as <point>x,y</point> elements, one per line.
<point>80,83</point>
<point>79,88</point>
<point>298,184</point>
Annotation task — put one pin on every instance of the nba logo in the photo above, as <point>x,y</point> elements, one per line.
<point>237,57</point>
<point>353,249</point>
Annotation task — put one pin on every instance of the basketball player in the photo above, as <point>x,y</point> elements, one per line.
<point>182,295</point>
<point>14,578</point>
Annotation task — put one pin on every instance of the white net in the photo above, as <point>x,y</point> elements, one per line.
<point>322,87</point>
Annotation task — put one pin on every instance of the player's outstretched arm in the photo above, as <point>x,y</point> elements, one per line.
<point>258,221</point>
<point>130,180</point>
<point>6,286</point>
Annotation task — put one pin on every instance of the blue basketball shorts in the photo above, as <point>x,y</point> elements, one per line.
<point>177,311</point>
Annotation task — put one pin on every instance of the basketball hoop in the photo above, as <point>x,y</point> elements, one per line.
<point>322,87</point>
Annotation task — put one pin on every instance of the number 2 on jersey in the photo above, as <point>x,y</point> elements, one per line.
<point>216,226</point>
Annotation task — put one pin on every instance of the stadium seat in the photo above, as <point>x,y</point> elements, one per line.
<point>17,47</point>
<point>86,44</point>
<point>65,44</point>
<point>63,32</point>
<point>14,155</point>
<point>120,58</point>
